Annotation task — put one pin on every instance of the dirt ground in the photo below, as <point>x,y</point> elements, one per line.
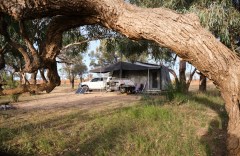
<point>63,97</point>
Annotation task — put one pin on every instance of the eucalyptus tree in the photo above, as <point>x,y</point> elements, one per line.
<point>102,56</point>
<point>220,17</point>
<point>121,48</point>
<point>74,69</point>
<point>182,33</point>
<point>74,45</point>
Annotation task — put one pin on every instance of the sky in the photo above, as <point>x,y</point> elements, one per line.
<point>92,47</point>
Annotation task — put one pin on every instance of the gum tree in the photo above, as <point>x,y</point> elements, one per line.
<point>182,33</point>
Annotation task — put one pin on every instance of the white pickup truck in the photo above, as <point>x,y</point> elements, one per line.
<point>95,83</point>
<point>109,84</point>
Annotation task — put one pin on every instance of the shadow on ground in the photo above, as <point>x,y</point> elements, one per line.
<point>215,138</point>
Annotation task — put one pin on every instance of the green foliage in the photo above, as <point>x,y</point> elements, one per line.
<point>72,36</point>
<point>77,67</point>
<point>10,84</point>
<point>121,48</point>
<point>15,97</point>
<point>175,92</point>
<point>219,16</point>
<point>107,53</point>
<point>171,91</point>
<point>8,78</point>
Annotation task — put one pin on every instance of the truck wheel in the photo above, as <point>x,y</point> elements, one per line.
<point>122,90</point>
<point>108,89</point>
<point>132,90</point>
<point>86,88</point>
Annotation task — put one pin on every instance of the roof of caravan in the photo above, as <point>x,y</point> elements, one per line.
<point>125,66</point>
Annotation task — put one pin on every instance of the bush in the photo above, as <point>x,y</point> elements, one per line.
<point>15,97</point>
<point>10,84</point>
<point>175,93</point>
<point>171,91</point>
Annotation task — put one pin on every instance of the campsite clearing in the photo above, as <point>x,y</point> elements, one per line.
<point>100,123</point>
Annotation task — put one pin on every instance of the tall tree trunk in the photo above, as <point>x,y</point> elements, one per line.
<point>2,61</point>
<point>182,76</point>
<point>203,83</point>
<point>232,107</point>
<point>72,82</point>
<point>81,77</point>
<point>181,33</point>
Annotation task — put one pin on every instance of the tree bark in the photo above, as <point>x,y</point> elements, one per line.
<point>180,32</point>
<point>203,83</point>
<point>2,60</point>
<point>34,78</point>
<point>43,76</point>
<point>72,82</point>
<point>171,71</point>
<point>190,78</point>
<point>182,76</point>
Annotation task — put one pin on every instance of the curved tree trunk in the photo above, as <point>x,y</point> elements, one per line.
<point>181,33</point>
<point>171,71</point>
<point>43,76</point>
<point>24,79</point>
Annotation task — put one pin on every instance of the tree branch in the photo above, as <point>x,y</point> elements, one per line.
<point>191,77</point>
<point>36,59</point>
<point>174,75</point>
<point>4,32</point>
<point>2,60</point>
<point>57,26</point>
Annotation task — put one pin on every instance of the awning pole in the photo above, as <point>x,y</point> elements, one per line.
<point>148,78</point>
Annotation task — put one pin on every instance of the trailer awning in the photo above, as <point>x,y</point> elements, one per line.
<point>124,66</point>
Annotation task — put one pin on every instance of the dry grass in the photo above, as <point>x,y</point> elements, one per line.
<point>111,124</point>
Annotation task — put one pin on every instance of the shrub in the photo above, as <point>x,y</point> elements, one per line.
<point>15,97</point>
<point>10,84</point>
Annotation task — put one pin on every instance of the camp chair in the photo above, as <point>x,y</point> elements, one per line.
<point>140,88</point>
